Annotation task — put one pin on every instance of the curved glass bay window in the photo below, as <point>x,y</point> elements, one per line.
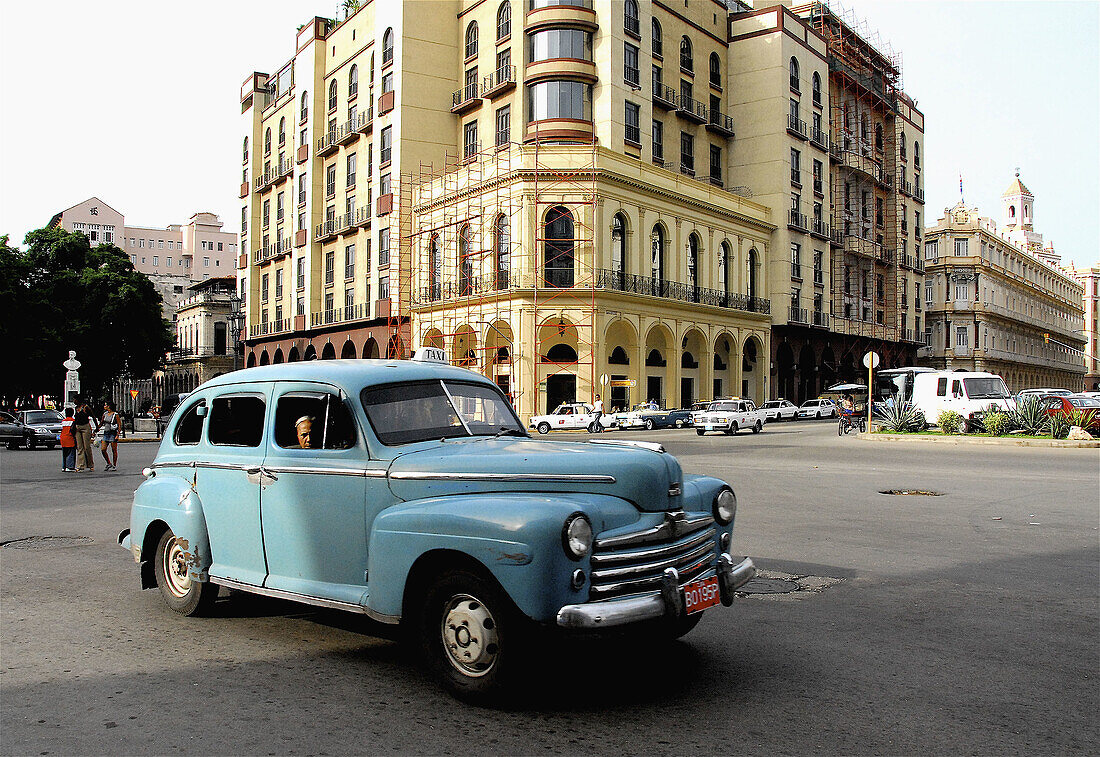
<point>560,99</point>
<point>535,4</point>
<point>558,255</point>
<point>552,44</point>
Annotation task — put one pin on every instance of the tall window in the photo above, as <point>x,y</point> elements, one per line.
<point>465,263</point>
<point>504,126</point>
<point>246,149</point>
<point>558,255</point>
<point>687,153</point>
<point>716,164</point>
<point>794,73</point>
<point>503,252</point>
<point>435,269</point>
<point>471,40</point>
<point>686,61</point>
<point>657,256</point>
<point>632,119</point>
<point>349,261</point>
<point>304,109</point>
<point>715,70</point>
<point>630,17</point>
<point>618,248</point>
<point>301,189</point>
<point>816,85</point>
<point>504,20</point>
<point>385,147</point>
<point>332,95</point>
<point>725,265</point>
<point>752,264</point>
<point>383,247</point>
<point>630,64</point>
<point>353,81</point>
<point>387,46</point>
<point>693,264</point>
<point>469,140</point>
<point>655,37</point>
<point>267,141</point>
<point>658,141</point>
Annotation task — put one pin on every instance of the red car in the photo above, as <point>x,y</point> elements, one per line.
<point>1075,403</point>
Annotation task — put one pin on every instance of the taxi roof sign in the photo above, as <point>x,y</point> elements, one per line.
<point>430,355</point>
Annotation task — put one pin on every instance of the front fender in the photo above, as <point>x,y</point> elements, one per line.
<point>169,499</point>
<point>517,537</point>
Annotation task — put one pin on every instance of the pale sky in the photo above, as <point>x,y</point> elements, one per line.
<point>137,103</point>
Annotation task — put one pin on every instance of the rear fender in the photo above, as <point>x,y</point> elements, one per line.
<point>515,537</point>
<point>167,501</point>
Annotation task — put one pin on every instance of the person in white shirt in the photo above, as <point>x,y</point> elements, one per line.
<point>597,408</point>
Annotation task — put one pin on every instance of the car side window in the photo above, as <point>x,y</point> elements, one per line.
<point>189,430</point>
<point>941,387</point>
<point>313,420</point>
<point>236,421</point>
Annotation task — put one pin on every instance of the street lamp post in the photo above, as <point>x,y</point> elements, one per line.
<point>235,321</point>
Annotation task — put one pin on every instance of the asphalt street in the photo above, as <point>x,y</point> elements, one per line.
<point>961,623</point>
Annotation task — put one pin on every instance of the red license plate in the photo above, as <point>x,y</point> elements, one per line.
<point>701,594</point>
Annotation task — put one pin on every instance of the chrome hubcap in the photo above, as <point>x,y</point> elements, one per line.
<point>470,637</point>
<point>175,569</point>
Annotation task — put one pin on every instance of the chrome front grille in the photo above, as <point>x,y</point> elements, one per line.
<point>633,563</point>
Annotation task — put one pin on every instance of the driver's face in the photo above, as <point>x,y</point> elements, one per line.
<point>303,433</point>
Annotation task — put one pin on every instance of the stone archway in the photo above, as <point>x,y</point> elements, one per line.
<point>695,362</point>
<point>311,352</point>
<point>753,369</point>
<point>807,374</point>
<point>328,352</point>
<point>278,356</point>
<point>370,349</point>
<point>498,364</point>
<point>348,351</point>
<point>294,356</point>
<point>657,351</point>
<point>464,347</point>
<point>620,347</point>
<point>724,365</point>
<point>265,359</point>
<point>251,361</point>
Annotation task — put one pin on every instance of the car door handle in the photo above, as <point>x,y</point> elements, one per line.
<point>260,475</point>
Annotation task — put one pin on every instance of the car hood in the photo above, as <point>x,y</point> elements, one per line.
<point>649,479</point>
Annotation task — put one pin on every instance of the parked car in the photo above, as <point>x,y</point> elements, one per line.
<point>568,415</point>
<point>777,410</point>
<point>1027,394</point>
<point>1075,403</point>
<point>408,491</point>
<point>14,433</point>
<point>644,416</point>
<point>45,425</point>
<point>819,408</point>
<point>730,416</point>
<point>971,394</point>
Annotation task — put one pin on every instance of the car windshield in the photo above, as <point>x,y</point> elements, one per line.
<point>43,416</point>
<point>985,388</point>
<point>416,412</point>
<point>773,403</point>
<point>723,407</point>
<point>1084,402</point>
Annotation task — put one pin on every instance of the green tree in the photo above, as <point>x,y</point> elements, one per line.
<point>62,294</point>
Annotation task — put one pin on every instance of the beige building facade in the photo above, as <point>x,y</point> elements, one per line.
<point>1089,279</point>
<point>993,306</point>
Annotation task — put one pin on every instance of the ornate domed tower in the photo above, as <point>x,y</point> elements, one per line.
<point>1018,214</point>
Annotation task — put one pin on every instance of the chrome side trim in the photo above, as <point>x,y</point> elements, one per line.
<point>334,604</point>
<point>326,471</point>
<point>638,444</point>
<point>560,478</point>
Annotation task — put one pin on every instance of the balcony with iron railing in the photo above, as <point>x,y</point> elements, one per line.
<point>905,187</point>
<point>339,315</point>
<point>348,131</point>
<point>719,123</point>
<point>691,109</point>
<point>500,81</point>
<point>277,249</point>
<point>918,195</point>
<point>673,290</point>
<point>269,327</point>
<point>465,99</point>
<point>796,126</point>
<point>326,143</point>
<point>364,121</point>
<point>797,315</point>
<point>796,220</point>
<point>820,138</point>
<point>820,228</point>
<point>819,318</point>
<point>664,96</point>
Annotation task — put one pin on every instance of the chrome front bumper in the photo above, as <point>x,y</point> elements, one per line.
<point>668,601</point>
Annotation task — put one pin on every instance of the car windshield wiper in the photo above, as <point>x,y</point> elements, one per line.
<point>507,431</point>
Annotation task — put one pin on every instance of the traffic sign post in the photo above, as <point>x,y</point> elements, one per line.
<point>871,360</point>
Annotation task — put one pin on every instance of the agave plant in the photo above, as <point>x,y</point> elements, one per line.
<point>1059,425</point>
<point>901,417</point>
<point>1031,417</point>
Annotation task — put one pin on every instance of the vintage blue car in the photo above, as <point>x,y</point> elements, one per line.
<point>409,491</point>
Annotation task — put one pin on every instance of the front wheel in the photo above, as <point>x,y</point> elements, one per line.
<point>758,427</point>
<point>31,442</point>
<point>180,593</point>
<point>466,629</point>
<point>648,424</point>
<point>544,428</point>
<point>679,424</point>
<point>700,431</point>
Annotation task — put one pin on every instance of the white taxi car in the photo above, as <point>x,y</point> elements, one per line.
<point>568,415</point>
<point>730,416</point>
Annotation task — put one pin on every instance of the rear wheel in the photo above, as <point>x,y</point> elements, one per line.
<point>544,428</point>
<point>648,424</point>
<point>699,431</point>
<point>31,442</point>
<point>756,429</point>
<point>179,591</point>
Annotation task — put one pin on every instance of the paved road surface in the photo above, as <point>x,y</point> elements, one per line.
<point>966,622</point>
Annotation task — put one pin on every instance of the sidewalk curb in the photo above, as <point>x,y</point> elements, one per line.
<point>996,441</point>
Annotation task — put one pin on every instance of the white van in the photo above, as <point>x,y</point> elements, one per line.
<point>971,394</point>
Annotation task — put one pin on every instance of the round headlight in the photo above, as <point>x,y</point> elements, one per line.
<point>725,506</point>
<point>576,536</point>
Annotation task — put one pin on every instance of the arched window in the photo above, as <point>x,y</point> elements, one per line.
<point>715,70</point>
<point>504,20</point>
<point>267,141</point>
<point>305,106</point>
<point>502,244</point>
<point>435,269</point>
<point>657,257</point>
<point>618,249</point>
<point>794,74</point>
<point>471,39</point>
<point>558,255</point>
<point>817,88</point>
<point>332,95</point>
<point>693,265</point>
<point>246,149</point>
<point>752,278</point>
<point>630,16</point>
<point>686,61</point>
<point>560,353</point>
<point>655,35</point>
<point>282,131</point>
<point>725,267</point>
<point>465,263</point>
<point>353,81</point>
<point>618,357</point>
<point>387,46</point>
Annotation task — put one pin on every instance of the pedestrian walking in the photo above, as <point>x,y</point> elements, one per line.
<point>597,409</point>
<point>68,442</point>
<point>83,420</point>
<point>111,427</point>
